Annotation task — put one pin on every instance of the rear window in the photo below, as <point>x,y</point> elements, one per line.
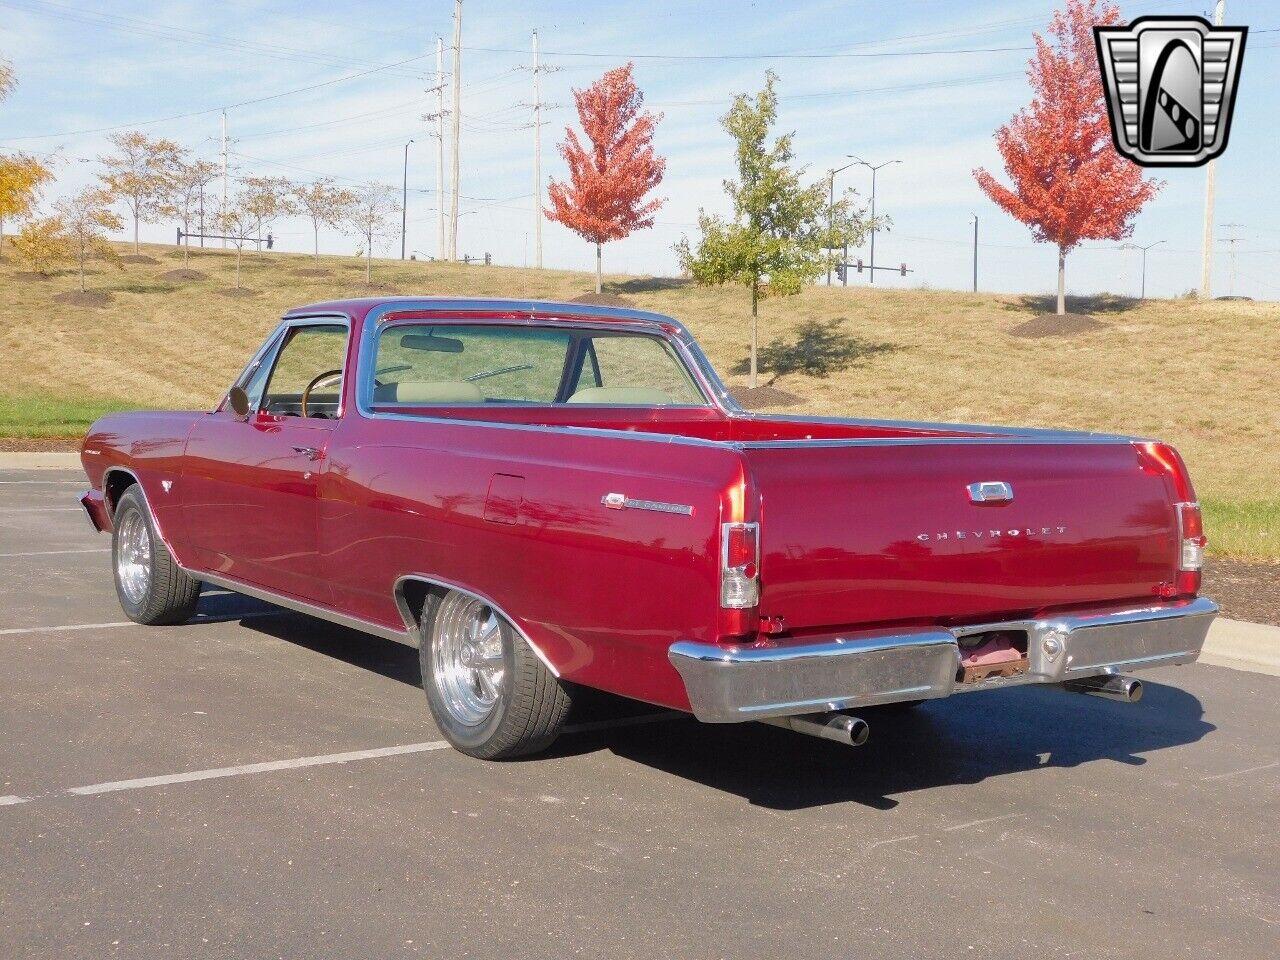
<point>443,364</point>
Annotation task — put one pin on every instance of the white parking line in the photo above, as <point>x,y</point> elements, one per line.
<point>216,773</point>
<point>295,763</point>
<point>50,553</point>
<point>78,483</point>
<point>41,509</point>
<point>233,618</point>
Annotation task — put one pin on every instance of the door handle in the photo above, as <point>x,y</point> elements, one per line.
<point>311,453</point>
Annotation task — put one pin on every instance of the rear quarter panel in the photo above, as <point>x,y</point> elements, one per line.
<point>602,593</point>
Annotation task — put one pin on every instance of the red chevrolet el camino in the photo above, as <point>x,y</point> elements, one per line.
<point>546,496</point>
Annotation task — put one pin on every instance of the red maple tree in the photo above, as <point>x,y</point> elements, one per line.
<point>604,198</point>
<point>1069,184</point>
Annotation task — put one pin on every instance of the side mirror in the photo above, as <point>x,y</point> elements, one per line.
<point>239,402</point>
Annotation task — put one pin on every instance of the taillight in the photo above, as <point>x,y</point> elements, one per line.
<point>1162,458</point>
<point>1191,537</point>
<point>739,565</point>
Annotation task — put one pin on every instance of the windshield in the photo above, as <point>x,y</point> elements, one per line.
<point>444,364</point>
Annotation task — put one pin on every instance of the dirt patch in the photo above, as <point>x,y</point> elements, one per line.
<point>39,444</point>
<point>312,272</point>
<point>238,292</point>
<point>84,298</point>
<point>30,276</point>
<point>762,397</point>
<point>185,274</point>
<point>138,258</point>
<point>1244,590</point>
<point>602,300</point>
<point>1057,325</point>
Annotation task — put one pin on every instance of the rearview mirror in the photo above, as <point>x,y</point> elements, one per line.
<point>429,341</point>
<point>239,402</point>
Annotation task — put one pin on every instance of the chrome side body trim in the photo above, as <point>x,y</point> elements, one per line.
<point>620,501</point>
<point>303,606</point>
<point>137,482</point>
<point>411,621</point>
<point>733,684</point>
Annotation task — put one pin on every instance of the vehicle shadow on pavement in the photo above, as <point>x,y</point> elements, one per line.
<point>963,740</point>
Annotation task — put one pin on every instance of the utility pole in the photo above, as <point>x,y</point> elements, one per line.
<point>224,173</point>
<point>1138,246</point>
<point>975,253</point>
<point>1210,177</point>
<point>456,125</point>
<point>537,157</point>
<point>831,206</point>
<point>404,200</point>
<point>873,170</point>
<point>441,250</point>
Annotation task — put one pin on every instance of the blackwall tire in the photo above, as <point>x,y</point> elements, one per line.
<point>152,588</point>
<point>489,694</point>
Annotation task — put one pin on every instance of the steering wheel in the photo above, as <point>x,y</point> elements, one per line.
<point>315,382</point>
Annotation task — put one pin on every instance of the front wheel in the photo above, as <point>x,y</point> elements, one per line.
<point>490,695</point>
<point>152,588</point>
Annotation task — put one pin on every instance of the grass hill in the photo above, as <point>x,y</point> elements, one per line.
<point>1203,376</point>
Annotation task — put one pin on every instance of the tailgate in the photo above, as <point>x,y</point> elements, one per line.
<point>861,534</point>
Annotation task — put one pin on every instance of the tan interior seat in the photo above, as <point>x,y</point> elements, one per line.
<point>618,396</point>
<point>428,391</point>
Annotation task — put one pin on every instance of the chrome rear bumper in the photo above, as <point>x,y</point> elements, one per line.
<point>733,684</point>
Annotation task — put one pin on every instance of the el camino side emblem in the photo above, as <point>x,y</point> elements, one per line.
<point>620,501</point>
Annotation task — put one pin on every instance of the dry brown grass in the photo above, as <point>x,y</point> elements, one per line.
<point>1203,376</point>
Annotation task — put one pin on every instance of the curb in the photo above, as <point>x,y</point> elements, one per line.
<point>39,460</point>
<point>1254,647</point>
<point>51,460</point>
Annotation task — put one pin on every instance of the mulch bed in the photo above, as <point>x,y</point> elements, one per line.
<point>1244,590</point>
<point>39,444</point>
<point>184,274</point>
<point>138,258</point>
<point>27,276</point>
<point>1057,325</point>
<point>312,272</point>
<point>238,292</point>
<point>762,397</point>
<point>602,300</point>
<point>84,298</point>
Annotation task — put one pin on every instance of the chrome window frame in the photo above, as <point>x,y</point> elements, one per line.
<point>270,352</point>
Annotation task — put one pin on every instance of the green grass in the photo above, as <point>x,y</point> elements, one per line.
<point>1249,529</point>
<point>36,415</point>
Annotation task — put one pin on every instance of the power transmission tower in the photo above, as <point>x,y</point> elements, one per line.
<point>537,157</point>
<point>456,124</point>
<point>1231,242</point>
<point>1210,177</point>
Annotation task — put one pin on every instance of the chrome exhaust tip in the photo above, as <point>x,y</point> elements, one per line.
<point>1113,687</point>
<point>840,727</point>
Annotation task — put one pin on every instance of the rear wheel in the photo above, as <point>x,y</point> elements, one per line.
<point>489,693</point>
<point>152,588</point>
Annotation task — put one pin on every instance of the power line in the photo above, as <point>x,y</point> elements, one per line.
<point>758,56</point>
<point>229,106</point>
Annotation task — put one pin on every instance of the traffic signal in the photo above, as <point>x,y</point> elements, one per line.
<point>859,265</point>
<point>842,271</point>
<point>904,269</point>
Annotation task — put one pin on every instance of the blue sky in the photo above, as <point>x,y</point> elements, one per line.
<point>914,92</point>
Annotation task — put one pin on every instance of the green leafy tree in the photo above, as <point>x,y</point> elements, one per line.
<point>42,244</point>
<point>777,238</point>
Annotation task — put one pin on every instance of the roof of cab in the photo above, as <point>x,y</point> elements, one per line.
<point>361,306</point>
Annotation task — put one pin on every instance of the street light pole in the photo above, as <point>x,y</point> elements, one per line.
<point>1136,246</point>
<point>975,253</point>
<point>831,206</point>
<point>873,170</point>
<point>404,199</point>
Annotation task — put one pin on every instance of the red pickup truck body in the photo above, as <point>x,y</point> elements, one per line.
<point>602,532</point>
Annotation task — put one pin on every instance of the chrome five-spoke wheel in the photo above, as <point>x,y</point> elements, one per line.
<point>468,662</point>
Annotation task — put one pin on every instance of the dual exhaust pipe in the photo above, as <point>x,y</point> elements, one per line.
<point>853,731</point>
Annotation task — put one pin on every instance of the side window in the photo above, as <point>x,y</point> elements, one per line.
<point>629,369</point>
<point>312,358</point>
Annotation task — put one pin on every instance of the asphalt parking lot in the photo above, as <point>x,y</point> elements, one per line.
<point>260,784</point>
